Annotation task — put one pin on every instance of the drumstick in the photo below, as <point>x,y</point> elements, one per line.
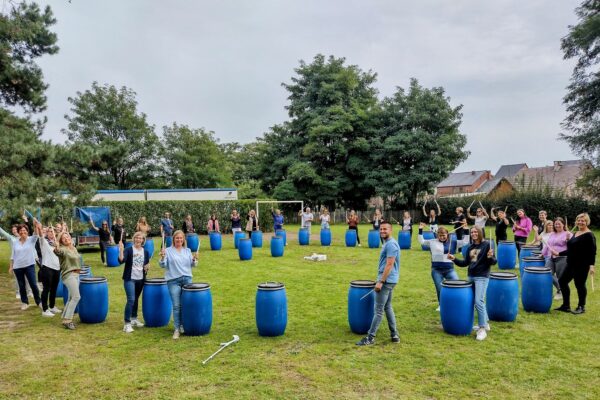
<point>163,239</point>
<point>370,291</point>
<point>473,202</point>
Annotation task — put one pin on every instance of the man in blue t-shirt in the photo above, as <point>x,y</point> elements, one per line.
<point>388,274</point>
<point>166,225</point>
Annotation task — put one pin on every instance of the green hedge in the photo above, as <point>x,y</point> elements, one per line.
<point>154,211</point>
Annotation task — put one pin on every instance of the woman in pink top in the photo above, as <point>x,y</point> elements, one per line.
<point>213,224</point>
<point>555,251</point>
<point>521,228</point>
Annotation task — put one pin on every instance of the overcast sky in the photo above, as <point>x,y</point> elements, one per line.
<point>220,64</point>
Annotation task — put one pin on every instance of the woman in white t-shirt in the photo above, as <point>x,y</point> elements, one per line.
<point>325,218</point>
<point>136,260</point>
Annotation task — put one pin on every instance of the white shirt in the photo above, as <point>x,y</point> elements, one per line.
<point>324,218</point>
<point>49,259</point>
<point>305,219</point>
<point>137,267</point>
<point>23,254</point>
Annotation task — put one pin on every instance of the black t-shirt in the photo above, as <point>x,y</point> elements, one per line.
<point>581,250</point>
<point>104,235</point>
<point>501,230</point>
<point>236,222</point>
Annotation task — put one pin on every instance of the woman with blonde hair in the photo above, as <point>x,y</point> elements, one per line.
<point>69,271</point>
<point>142,226</point>
<point>352,221</point>
<point>137,262</point>
<point>251,223</point>
<point>581,255</point>
<point>178,262</point>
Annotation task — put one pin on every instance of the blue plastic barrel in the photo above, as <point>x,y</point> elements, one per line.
<point>85,272</point>
<point>193,241</point>
<point>404,240</point>
<point>245,249</point>
<point>156,303</point>
<point>325,237</point>
<point>59,288</point>
<point>215,241</point>
<point>351,238</point>
<point>361,305</point>
<point>168,241</point>
<point>112,256</point>
<point>507,254</point>
<point>196,309</point>
<point>236,238</point>
<point>93,306</point>
<point>464,250</point>
<point>531,262</point>
<point>528,250</point>
<point>276,246</point>
<point>281,233</point>
<point>149,246</point>
<point>373,239</point>
<point>303,237</point>
<point>80,260</point>
<point>453,243</point>
<point>427,235</point>
<point>502,299</point>
<point>536,294</point>
<point>257,239</point>
<point>128,245</point>
<point>271,309</point>
<point>65,296</point>
<point>456,307</point>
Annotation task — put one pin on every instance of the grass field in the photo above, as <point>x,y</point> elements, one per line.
<point>545,356</point>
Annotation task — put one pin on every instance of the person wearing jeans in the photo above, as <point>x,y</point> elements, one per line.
<point>69,269</point>
<point>441,266</point>
<point>22,263</point>
<point>387,278</point>
<point>480,258</point>
<point>178,262</point>
<point>137,262</point>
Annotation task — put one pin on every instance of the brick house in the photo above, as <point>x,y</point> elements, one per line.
<point>462,183</point>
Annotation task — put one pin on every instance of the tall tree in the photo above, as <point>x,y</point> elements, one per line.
<point>124,148</point>
<point>582,124</point>
<point>321,153</point>
<point>418,143</point>
<point>25,36</point>
<point>193,158</point>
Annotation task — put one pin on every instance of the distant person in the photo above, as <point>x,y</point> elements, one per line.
<point>137,262</point>
<point>407,223</point>
<point>70,268</point>
<point>118,229</point>
<point>325,218</point>
<point>581,255</point>
<point>166,226</point>
<point>501,224</point>
<point>307,218</point>
<point>521,228</point>
<point>480,258</point>
<point>251,223</point>
<point>376,221</point>
<point>433,217</point>
<point>213,224</point>
<point>543,219</point>
<point>236,222</point>
<point>22,263</point>
<point>541,237</point>
<point>11,238</point>
<point>352,221</point>
<point>105,238</point>
<point>554,251</point>
<point>49,271</point>
<point>481,216</point>
<point>388,274</point>
<point>277,219</point>
<point>460,222</point>
<point>188,225</point>
<point>142,226</point>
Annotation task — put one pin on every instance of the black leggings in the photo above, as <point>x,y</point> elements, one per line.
<point>356,229</point>
<point>520,241</point>
<point>50,282</point>
<point>579,274</point>
<point>103,246</point>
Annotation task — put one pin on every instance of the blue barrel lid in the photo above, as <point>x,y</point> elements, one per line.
<point>280,230</point>
<point>532,259</point>
<point>530,247</point>
<point>191,234</point>
<point>155,281</point>
<point>456,283</point>
<point>538,270</point>
<point>503,275</point>
<point>270,286</point>
<point>506,242</point>
<point>93,279</point>
<point>196,287</point>
<point>276,238</point>
<point>362,284</point>
<point>245,239</point>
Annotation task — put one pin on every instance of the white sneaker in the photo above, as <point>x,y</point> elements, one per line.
<point>24,306</point>
<point>127,328</point>
<point>481,334</point>
<point>137,323</point>
<point>176,334</point>
<point>47,313</point>
<point>55,310</point>
<point>437,309</point>
<point>558,296</point>
<point>181,329</point>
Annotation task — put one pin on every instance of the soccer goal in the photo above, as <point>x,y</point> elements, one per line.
<point>258,202</point>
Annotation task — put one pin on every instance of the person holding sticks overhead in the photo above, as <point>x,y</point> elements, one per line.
<point>388,274</point>
<point>480,218</point>
<point>501,224</point>
<point>581,255</point>
<point>554,251</point>
<point>213,224</point>
<point>22,263</point>
<point>166,227</point>
<point>277,219</point>
<point>432,218</point>
<point>69,272</point>
<point>460,222</point>
<point>352,221</point>
<point>178,262</point>
<point>376,221</point>
<point>118,229</point>
<point>137,262</point>
<point>105,238</point>
<point>480,258</point>
<point>49,271</point>
<point>441,266</point>
<point>324,217</point>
